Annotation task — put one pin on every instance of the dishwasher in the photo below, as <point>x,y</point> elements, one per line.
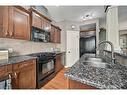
<point>5,82</point>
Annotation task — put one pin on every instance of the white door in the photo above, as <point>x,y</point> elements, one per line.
<point>72,54</point>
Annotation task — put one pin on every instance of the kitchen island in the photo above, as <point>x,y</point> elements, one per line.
<point>114,77</point>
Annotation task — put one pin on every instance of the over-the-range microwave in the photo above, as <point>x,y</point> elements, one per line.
<point>39,35</point>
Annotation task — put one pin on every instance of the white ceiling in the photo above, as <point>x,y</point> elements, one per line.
<point>74,13</point>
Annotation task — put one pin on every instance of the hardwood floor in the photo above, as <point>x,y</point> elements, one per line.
<point>58,82</point>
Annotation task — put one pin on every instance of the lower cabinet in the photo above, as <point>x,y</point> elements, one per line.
<point>58,64</point>
<point>24,75</point>
<point>72,84</point>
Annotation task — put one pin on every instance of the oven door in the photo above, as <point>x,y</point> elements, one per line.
<point>46,68</point>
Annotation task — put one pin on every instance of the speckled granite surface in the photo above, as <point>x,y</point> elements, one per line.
<point>16,59</point>
<point>114,77</point>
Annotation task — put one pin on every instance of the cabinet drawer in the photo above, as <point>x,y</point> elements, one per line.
<point>25,64</point>
<point>15,66</point>
<point>9,68</point>
<point>3,71</point>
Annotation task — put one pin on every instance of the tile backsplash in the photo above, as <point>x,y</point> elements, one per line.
<point>120,57</point>
<point>22,47</point>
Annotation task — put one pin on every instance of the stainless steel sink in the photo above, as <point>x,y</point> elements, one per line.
<point>94,59</point>
<point>96,62</point>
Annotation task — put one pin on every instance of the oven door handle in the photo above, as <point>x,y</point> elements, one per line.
<point>45,62</point>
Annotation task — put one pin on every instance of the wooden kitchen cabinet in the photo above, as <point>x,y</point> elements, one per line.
<point>58,35</point>
<point>46,25</point>
<point>21,24</point>
<point>52,34</point>
<point>72,84</point>
<point>40,21</point>
<point>3,71</point>
<point>4,31</point>
<point>55,34</point>
<point>24,75</point>
<point>15,22</point>
<point>58,65</point>
<point>36,20</point>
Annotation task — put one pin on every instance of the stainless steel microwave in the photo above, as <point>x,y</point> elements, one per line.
<point>39,35</point>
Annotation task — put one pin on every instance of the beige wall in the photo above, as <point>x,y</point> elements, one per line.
<point>66,25</point>
<point>22,47</point>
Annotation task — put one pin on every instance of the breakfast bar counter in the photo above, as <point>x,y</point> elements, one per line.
<point>114,77</point>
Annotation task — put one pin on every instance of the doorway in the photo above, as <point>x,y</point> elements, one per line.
<point>88,39</point>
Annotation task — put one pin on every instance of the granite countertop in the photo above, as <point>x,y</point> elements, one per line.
<point>114,77</point>
<point>16,59</point>
<point>60,52</point>
<point>21,58</point>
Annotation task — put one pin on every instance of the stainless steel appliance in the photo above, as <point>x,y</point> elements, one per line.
<point>45,67</point>
<point>5,82</point>
<point>39,35</point>
<point>87,45</point>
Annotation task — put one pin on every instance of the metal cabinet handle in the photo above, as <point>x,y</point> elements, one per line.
<point>6,32</point>
<point>9,76</point>
<point>11,34</point>
<point>15,74</point>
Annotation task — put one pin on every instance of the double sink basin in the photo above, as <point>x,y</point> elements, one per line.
<point>96,62</point>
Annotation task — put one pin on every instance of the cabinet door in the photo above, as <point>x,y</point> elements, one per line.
<point>58,64</point>
<point>4,21</point>
<point>3,71</point>
<point>36,20</point>
<point>58,36</point>
<point>21,24</point>
<point>55,36</point>
<point>42,23</point>
<point>52,34</point>
<point>25,76</point>
<point>47,25</point>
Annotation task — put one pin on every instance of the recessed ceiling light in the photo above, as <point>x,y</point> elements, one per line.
<point>73,26</point>
<point>87,16</point>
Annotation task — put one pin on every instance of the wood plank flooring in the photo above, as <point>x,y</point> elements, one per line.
<point>58,82</point>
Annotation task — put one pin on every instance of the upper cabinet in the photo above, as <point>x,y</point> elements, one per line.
<point>55,34</point>
<point>4,21</point>
<point>21,24</point>
<point>40,21</point>
<point>15,23</point>
<point>36,20</point>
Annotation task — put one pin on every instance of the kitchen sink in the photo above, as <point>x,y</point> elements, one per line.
<point>94,59</point>
<point>96,62</point>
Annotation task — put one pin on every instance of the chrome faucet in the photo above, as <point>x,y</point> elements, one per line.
<point>112,49</point>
